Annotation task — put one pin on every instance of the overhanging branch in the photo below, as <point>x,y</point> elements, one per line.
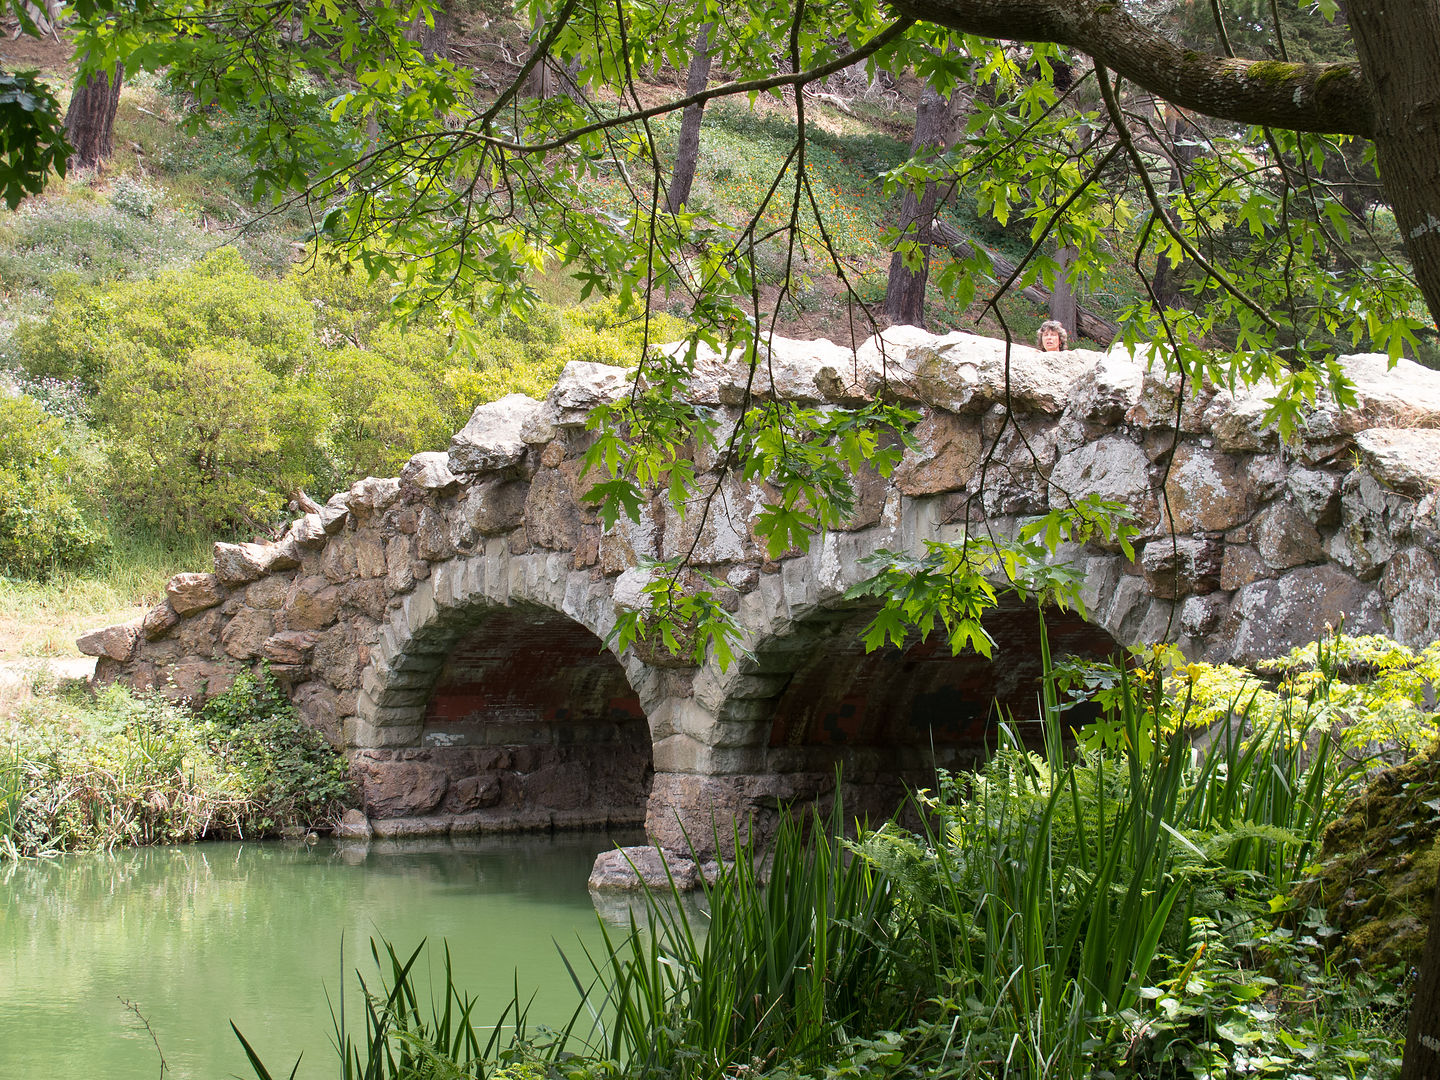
<point>1329,98</point>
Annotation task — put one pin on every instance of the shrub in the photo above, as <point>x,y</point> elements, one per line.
<point>216,303</point>
<point>81,771</point>
<point>42,524</point>
<point>527,358</point>
<point>90,243</point>
<point>132,196</point>
<point>289,773</point>
<point>208,440</point>
<point>382,413</point>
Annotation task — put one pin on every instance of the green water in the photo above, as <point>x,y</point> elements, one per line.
<point>200,935</point>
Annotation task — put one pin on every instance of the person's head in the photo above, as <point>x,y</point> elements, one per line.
<point>1051,337</point>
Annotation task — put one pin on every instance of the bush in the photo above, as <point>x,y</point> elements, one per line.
<point>527,358</point>
<point>42,524</point>
<point>216,303</point>
<point>132,196</point>
<point>290,774</point>
<point>211,440</point>
<point>90,243</point>
<point>81,772</point>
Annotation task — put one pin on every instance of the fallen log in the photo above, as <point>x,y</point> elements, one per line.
<point>1088,323</point>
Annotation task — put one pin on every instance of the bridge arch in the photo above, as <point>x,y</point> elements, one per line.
<point>491,698</point>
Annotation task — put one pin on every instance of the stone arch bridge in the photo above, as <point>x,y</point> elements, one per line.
<point>445,627</point>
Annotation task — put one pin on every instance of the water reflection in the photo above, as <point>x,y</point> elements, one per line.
<point>196,936</point>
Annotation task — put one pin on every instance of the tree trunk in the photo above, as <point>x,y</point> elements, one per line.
<point>90,120</point>
<point>1422,1038</point>
<point>687,153</point>
<point>433,40</point>
<point>905,293</point>
<point>1396,45</point>
<point>1062,297</point>
<point>550,77</point>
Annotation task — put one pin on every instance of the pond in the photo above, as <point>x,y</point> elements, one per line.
<point>196,936</point>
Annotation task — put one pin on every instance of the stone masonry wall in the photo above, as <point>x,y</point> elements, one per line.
<point>1248,547</point>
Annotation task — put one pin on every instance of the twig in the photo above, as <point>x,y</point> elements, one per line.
<point>164,1065</point>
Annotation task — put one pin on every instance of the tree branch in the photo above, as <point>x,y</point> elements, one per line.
<point>1330,98</point>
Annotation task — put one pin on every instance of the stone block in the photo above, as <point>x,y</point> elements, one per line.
<point>1242,565</point>
<point>1285,538</point>
<point>268,593</point>
<point>159,621</point>
<point>950,452</point>
<point>189,593</point>
<point>118,643</point>
<point>309,531</point>
<point>400,564</point>
<point>1276,616</point>
<point>493,438</point>
<point>1208,491</point>
<point>312,604</point>
<point>429,471</point>
<point>1403,459</point>
<point>236,564</point>
<point>244,636</point>
<point>1112,467</point>
<point>1176,567</point>
<point>431,535</point>
<point>1317,494</point>
<point>373,494</point>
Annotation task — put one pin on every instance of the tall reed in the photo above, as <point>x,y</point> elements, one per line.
<point>776,973</point>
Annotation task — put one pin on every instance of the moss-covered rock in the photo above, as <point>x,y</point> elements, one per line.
<point>1379,865</point>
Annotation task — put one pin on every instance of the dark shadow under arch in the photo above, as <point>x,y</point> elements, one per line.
<point>529,722</point>
<point>889,718</point>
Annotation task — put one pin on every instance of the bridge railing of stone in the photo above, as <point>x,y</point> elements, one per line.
<point>378,612</point>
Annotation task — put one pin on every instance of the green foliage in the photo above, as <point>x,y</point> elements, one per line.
<point>32,136</point>
<point>1117,910</point>
<point>511,355</point>
<point>1111,914</point>
<point>288,771</point>
<point>43,525</point>
<point>1377,871</point>
<point>208,441</point>
<point>83,772</point>
<point>781,969</point>
<point>216,304</point>
<point>1374,691</point>
<point>60,245</point>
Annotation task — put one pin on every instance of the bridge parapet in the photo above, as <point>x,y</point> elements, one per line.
<point>445,626</point>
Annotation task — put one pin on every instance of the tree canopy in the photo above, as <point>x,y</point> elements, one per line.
<point>1242,171</point>
<point>1128,134</point>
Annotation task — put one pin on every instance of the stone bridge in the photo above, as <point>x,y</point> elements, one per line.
<point>446,627</point>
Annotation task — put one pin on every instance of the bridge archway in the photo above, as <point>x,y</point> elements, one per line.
<point>501,710</point>
<point>811,699</point>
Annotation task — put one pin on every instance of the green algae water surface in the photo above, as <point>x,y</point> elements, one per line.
<point>196,936</point>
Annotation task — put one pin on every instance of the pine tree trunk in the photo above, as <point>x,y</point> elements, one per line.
<point>1422,1039</point>
<point>905,292</point>
<point>90,120</point>
<point>433,40</point>
<point>687,153</point>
